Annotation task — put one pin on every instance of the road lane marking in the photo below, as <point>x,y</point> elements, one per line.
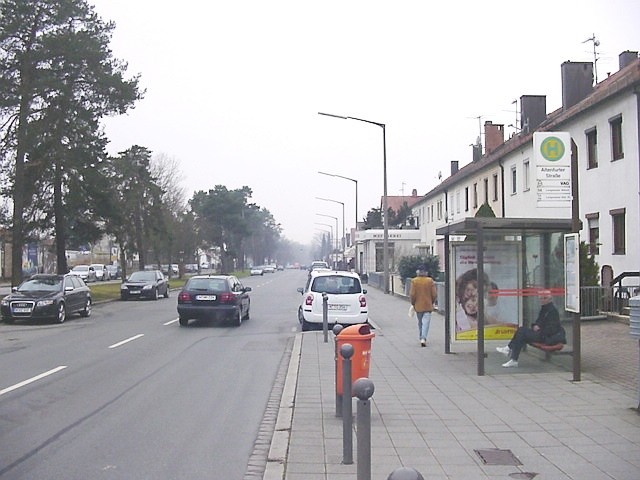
<point>170,322</point>
<point>32,379</point>
<point>116,345</point>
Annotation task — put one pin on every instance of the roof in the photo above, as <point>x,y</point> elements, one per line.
<point>396,202</point>
<point>623,81</point>
<point>530,225</point>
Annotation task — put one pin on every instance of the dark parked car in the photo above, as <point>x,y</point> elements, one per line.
<point>114,271</point>
<point>50,297</point>
<point>145,284</point>
<point>214,297</point>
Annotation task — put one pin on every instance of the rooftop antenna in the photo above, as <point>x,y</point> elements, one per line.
<point>596,43</point>
<point>402,189</point>
<point>479,141</point>
<point>515,124</point>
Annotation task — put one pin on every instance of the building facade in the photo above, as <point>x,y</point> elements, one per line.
<point>603,123</point>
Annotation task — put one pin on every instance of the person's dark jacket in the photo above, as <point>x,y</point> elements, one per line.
<point>549,322</point>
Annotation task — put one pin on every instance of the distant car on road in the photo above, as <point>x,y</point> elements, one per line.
<point>346,300</point>
<point>48,297</point>
<point>214,297</point>
<point>85,272</point>
<point>145,284</point>
<point>114,271</point>
<point>269,269</point>
<point>101,271</point>
<point>318,264</point>
<point>257,270</point>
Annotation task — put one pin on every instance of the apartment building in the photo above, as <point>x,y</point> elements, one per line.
<point>603,123</point>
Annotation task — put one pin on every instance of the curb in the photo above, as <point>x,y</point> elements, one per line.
<point>279,449</point>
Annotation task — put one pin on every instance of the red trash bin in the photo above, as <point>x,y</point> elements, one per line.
<point>359,337</point>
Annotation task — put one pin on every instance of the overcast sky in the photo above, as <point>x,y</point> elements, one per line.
<point>234,89</point>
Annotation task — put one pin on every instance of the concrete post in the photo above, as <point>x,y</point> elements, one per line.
<point>336,331</point>
<point>405,473</point>
<point>347,351</point>
<point>363,388</point>
<point>325,317</point>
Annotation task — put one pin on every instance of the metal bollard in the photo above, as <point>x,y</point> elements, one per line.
<point>325,317</point>
<point>336,331</point>
<point>363,388</point>
<point>405,473</point>
<point>347,421</point>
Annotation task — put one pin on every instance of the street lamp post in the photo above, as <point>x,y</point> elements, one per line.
<point>327,231</point>
<point>336,236</point>
<point>343,227</point>
<point>356,217</point>
<point>385,213</point>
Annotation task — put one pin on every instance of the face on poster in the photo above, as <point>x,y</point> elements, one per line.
<point>501,267</point>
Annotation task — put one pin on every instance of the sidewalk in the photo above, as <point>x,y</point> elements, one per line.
<point>430,411</point>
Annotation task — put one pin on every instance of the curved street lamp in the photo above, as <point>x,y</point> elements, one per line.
<point>343,227</point>
<point>336,237</point>
<point>353,240</point>
<point>385,213</point>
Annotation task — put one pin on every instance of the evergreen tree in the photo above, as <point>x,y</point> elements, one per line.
<point>58,80</point>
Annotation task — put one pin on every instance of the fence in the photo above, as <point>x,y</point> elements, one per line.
<point>595,302</point>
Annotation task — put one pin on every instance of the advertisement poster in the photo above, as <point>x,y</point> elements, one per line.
<point>501,301</point>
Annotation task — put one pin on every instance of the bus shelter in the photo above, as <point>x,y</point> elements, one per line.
<point>495,269</point>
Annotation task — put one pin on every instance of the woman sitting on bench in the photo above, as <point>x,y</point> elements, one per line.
<point>546,330</point>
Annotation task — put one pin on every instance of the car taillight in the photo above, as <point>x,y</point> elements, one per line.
<point>363,301</point>
<point>227,298</point>
<point>184,297</point>
<point>309,300</point>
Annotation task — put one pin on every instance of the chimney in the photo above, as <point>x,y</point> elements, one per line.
<point>414,192</point>
<point>627,57</point>
<point>533,111</point>
<point>477,150</point>
<point>454,167</point>
<point>493,136</point>
<point>577,82</point>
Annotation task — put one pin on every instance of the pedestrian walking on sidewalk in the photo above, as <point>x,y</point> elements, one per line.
<point>423,295</point>
<point>546,329</point>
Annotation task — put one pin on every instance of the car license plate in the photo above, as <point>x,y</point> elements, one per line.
<point>205,297</point>
<point>21,310</point>
<point>333,306</point>
<point>134,292</point>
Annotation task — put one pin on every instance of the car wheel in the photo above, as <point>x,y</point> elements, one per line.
<point>300,316</point>
<point>306,326</point>
<point>123,297</point>
<point>156,295</point>
<point>87,309</point>
<point>166,293</point>
<point>183,321</point>
<point>8,321</point>
<point>237,321</point>
<point>62,313</point>
<point>246,315</point>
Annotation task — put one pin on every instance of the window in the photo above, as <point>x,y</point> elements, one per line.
<point>440,210</point>
<point>466,199</point>
<point>593,222</point>
<point>495,187</point>
<point>458,201</point>
<point>616,138</point>
<point>486,190</point>
<point>618,222</point>
<point>475,195</point>
<point>514,181</point>
<point>592,148</point>
<point>526,176</point>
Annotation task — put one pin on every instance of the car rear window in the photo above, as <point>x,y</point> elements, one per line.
<point>336,284</point>
<point>208,284</point>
